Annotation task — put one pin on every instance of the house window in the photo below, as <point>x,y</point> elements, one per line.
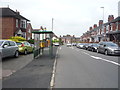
<point>23,24</point>
<point>24,34</point>
<point>16,22</point>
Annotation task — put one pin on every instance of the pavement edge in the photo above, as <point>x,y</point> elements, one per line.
<point>52,82</point>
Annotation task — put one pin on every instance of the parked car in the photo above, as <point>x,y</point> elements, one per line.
<point>69,44</point>
<point>56,44</point>
<point>108,48</point>
<point>77,45</point>
<point>73,44</point>
<point>33,45</point>
<point>25,47</point>
<point>85,46</point>
<point>93,47</point>
<point>81,45</point>
<point>8,48</point>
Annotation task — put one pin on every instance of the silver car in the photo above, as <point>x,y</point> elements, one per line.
<point>8,48</point>
<point>108,48</point>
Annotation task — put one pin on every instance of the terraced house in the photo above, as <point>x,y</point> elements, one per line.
<point>13,24</point>
<point>109,31</point>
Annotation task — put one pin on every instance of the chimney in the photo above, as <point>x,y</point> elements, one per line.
<point>100,22</point>
<point>90,28</point>
<point>94,26</point>
<point>18,12</point>
<point>110,18</point>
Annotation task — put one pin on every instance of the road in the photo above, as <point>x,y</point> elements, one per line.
<point>78,68</point>
<point>10,65</point>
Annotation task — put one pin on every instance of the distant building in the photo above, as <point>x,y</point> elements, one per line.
<point>69,39</point>
<point>13,24</point>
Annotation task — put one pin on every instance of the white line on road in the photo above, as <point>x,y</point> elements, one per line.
<point>60,48</point>
<point>99,58</point>
<point>76,49</point>
<point>72,47</point>
<point>54,70</point>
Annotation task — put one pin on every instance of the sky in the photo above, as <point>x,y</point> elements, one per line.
<point>72,17</point>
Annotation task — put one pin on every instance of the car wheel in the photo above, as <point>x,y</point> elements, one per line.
<point>25,52</point>
<point>16,54</point>
<point>106,52</point>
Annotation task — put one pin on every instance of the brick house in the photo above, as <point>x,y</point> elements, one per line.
<point>109,31</point>
<point>29,30</point>
<point>69,39</point>
<point>13,24</point>
<point>114,30</point>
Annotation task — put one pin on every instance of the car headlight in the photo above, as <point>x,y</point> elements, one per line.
<point>95,47</point>
<point>111,49</point>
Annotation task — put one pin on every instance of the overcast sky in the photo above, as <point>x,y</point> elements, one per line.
<point>72,17</point>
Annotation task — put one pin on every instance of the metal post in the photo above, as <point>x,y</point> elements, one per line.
<point>103,13</point>
<point>52,24</point>
<point>51,46</point>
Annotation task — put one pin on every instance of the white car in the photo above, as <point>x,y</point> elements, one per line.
<point>69,44</point>
<point>56,44</point>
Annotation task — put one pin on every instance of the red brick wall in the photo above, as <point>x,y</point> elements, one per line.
<point>119,26</point>
<point>114,26</point>
<point>105,29</point>
<point>8,27</point>
<point>27,31</point>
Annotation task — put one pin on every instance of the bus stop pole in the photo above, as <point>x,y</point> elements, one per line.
<point>51,46</point>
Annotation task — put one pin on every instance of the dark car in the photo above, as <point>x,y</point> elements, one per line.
<point>108,48</point>
<point>86,46</point>
<point>73,44</point>
<point>93,47</point>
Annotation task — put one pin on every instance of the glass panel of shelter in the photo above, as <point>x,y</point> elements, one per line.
<point>40,39</point>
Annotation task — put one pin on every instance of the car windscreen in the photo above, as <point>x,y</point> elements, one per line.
<point>95,45</point>
<point>112,44</point>
<point>1,43</point>
<point>18,43</point>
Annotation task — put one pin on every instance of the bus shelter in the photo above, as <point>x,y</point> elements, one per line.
<point>42,39</point>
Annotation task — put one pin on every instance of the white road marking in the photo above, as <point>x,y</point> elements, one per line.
<point>99,58</point>
<point>60,48</point>
<point>54,70</point>
<point>72,47</point>
<point>76,49</point>
<point>86,53</point>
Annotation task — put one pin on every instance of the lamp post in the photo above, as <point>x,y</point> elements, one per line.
<point>103,23</point>
<point>103,13</point>
<point>52,24</point>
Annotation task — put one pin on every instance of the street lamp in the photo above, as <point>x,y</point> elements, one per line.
<point>52,24</point>
<point>103,13</point>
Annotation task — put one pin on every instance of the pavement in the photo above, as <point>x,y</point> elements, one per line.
<point>36,74</point>
<point>10,65</point>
